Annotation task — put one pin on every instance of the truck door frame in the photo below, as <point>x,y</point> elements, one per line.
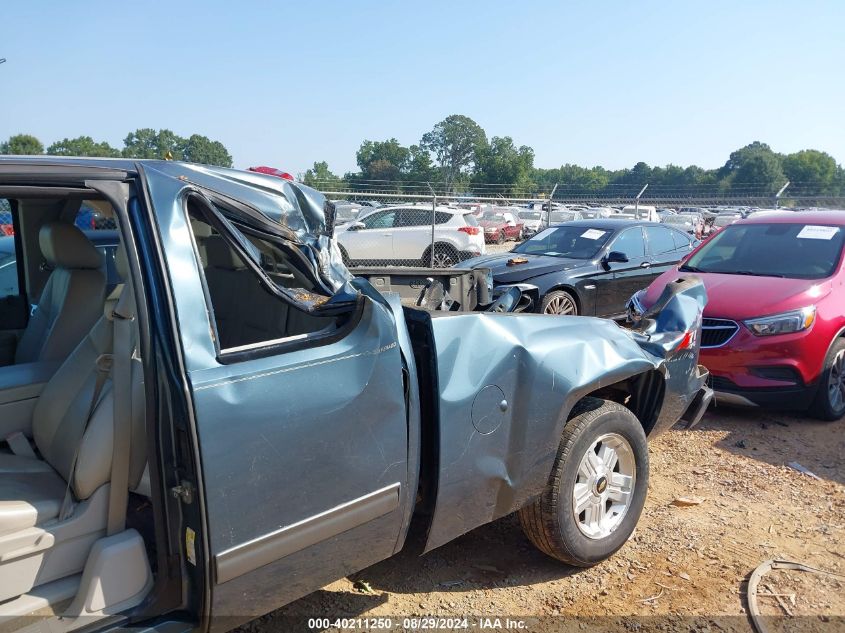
<point>229,561</point>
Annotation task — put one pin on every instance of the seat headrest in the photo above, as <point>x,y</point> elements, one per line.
<point>221,255</point>
<point>200,229</point>
<point>65,246</point>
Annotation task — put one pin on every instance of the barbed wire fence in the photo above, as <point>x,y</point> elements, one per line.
<point>437,225</point>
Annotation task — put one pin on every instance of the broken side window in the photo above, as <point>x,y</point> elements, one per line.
<point>258,294</point>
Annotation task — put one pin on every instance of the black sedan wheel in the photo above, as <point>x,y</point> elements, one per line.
<point>560,302</point>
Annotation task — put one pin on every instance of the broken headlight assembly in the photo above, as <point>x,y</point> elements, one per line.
<point>784,323</point>
<point>635,308</point>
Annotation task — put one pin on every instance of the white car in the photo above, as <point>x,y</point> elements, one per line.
<point>402,236</point>
<point>532,220</point>
<point>641,212</point>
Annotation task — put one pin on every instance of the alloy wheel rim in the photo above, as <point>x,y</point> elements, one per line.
<point>442,260</point>
<point>604,486</point>
<point>560,305</point>
<point>836,382</point>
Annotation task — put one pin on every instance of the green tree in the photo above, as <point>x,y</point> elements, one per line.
<point>82,146</point>
<point>320,177</point>
<point>201,149</point>
<point>419,167</point>
<point>580,180</point>
<point>738,158</point>
<point>811,173</point>
<point>639,175</point>
<point>760,174</point>
<point>382,160</point>
<point>752,170</point>
<point>501,161</point>
<point>22,144</point>
<point>456,143</point>
<point>149,143</point>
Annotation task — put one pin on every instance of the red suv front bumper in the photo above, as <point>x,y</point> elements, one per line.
<point>781,370</point>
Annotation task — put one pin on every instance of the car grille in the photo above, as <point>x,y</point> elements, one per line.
<point>717,332</point>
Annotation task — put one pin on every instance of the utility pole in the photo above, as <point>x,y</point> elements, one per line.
<point>637,201</point>
<point>433,217</point>
<point>780,193</point>
<point>549,212</point>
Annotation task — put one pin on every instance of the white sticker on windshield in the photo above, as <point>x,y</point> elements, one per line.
<point>592,234</point>
<point>813,232</point>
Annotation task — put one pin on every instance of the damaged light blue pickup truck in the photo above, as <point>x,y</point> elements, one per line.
<point>240,421</point>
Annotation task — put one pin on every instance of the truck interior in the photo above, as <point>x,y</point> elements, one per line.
<point>77,541</point>
<point>231,285</point>
<point>80,523</point>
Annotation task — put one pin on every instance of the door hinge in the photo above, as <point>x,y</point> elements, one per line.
<point>184,492</point>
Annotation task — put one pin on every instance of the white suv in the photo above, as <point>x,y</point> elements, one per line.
<point>402,236</point>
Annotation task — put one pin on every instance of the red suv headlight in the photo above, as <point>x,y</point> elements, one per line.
<point>784,323</point>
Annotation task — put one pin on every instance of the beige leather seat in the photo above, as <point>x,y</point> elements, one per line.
<point>232,286</point>
<point>72,299</point>
<point>36,544</point>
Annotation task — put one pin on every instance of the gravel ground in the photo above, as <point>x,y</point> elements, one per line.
<point>500,248</point>
<point>684,568</point>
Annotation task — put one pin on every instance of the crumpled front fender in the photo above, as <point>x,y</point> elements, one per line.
<point>507,383</point>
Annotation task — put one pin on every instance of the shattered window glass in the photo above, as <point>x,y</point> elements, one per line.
<point>246,311</point>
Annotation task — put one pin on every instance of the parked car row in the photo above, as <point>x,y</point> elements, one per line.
<point>774,326</point>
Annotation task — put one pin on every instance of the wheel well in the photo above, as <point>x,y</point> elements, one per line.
<point>642,394</point>
<point>448,245</point>
<point>571,291</point>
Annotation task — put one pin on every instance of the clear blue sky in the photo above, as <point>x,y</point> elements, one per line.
<point>285,84</point>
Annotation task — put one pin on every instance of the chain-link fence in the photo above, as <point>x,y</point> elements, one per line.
<point>6,227</point>
<point>427,231</point>
<point>440,230</point>
<point>88,218</point>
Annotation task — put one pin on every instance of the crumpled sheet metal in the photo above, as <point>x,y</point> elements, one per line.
<point>299,209</point>
<point>497,448</point>
<point>543,365</point>
<point>677,310</point>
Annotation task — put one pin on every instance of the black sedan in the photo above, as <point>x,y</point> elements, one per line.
<point>589,267</point>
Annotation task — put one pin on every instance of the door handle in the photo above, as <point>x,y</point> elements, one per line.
<point>645,265</point>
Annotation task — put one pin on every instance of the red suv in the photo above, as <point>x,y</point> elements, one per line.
<point>774,323</point>
<point>501,225</point>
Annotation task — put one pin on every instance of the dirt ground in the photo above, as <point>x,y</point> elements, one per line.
<point>685,568</point>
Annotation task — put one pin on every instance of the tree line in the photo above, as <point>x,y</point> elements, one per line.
<point>457,155</point>
<point>142,143</point>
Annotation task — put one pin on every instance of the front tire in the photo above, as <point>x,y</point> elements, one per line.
<point>829,403</point>
<point>559,302</point>
<point>597,488</point>
<point>445,256</point>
